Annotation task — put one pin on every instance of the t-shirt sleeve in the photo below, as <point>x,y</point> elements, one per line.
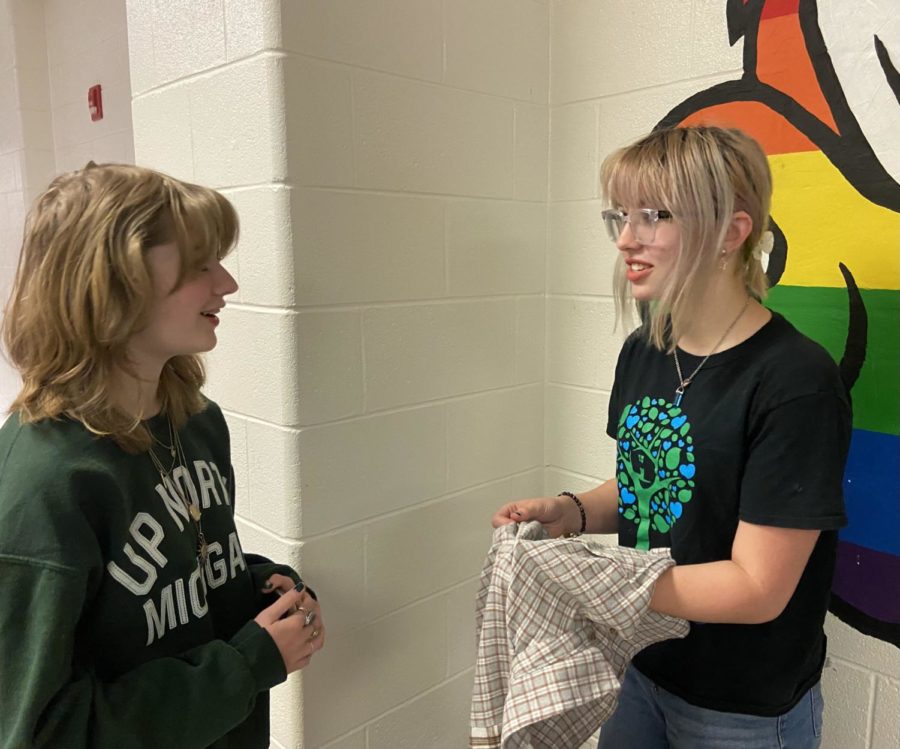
<point>794,470</point>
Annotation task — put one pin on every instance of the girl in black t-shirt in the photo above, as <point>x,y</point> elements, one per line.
<point>732,431</point>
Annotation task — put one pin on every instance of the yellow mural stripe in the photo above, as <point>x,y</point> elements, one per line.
<point>826,222</point>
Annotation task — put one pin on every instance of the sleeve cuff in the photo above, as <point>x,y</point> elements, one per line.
<point>261,654</point>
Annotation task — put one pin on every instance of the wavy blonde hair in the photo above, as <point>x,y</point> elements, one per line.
<point>83,288</point>
<point>702,175</point>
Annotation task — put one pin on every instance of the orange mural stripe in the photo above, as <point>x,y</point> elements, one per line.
<point>775,134</point>
<point>783,62</point>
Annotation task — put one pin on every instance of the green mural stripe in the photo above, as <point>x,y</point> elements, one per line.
<point>821,313</point>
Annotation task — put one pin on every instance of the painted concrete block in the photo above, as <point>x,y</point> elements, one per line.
<point>256,540</point>
<point>265,386</point>
<point>397,36</point>
<point>499,48</point>
<point>527,484</point>
<point>361,675</point>
<point>710,51</point>
<point>886,717</point>
<point>162,131</point>
<point>530,339</point>
<point>353,740</point>
<point>599,49</point>
<point>575,431</point>
<point>532,152</point>
<point>377,464</point>
<point>848,692</point>
<point>422,352</point>
<point>581,258</point>
<point>334,566</point>
<point>237,430</point>
<point>438,718</point>
<point>360,247</point>
<point>868,652</point>
<point>495,247</point>
<point>142,67</point>
<point>187,38</point>
<point>625,117</point>
<point>582,348</point>
<point>574,160</point>
<point>330,371</point>
<point>426,549</point>
<point>264,252</point>
<point>286,720</point>
<point>460,603</point>
<point>273,479</point>
<point>251,27</point>
<point>494,434</point>
<point>237,124</point>
<point>557,480</point>
<point>420,137</point>
<point>319,122</point>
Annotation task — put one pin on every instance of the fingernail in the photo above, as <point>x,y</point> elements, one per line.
<point>300,587</point>
<point>267,586</point>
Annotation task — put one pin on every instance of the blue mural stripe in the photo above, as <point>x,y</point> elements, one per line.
<point>872,492</point>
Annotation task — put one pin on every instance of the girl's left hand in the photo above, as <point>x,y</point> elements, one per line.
<point>279,584</point>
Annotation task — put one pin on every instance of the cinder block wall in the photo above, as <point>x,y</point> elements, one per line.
<point>615,71</point>
<point>383,368</point>
<point>417,143</point>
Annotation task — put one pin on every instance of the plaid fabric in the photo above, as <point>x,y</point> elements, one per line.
<point>558,621</point>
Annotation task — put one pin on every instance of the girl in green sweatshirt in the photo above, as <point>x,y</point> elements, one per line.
<point>130,616</point>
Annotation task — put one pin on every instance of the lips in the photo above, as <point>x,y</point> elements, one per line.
<point>212,315</point>
<point>637,270</point>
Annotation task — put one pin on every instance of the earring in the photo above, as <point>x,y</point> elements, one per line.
<point>724,264</point>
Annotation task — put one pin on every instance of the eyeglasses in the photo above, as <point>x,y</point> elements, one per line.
<point>642,221</point>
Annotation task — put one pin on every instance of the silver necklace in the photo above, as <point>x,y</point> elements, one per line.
<point>683,381</point>
<point>177,452</point>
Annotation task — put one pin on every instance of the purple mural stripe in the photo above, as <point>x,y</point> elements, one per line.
<point>862,578</point>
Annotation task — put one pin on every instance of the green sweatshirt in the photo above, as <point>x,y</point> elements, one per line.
<point>110,633</point>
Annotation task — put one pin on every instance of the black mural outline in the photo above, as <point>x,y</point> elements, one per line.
<point>851,154</point>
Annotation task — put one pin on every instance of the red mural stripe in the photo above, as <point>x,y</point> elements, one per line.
<point>775,8</point>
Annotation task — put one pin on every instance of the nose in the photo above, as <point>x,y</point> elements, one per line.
<point>225,283</point>
<point>626,240</point>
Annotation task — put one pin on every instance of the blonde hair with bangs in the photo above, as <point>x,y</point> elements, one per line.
<point>83,288</point>
<point>702,175</point>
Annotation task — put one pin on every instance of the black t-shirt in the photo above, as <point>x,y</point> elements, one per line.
<point>761,435</point>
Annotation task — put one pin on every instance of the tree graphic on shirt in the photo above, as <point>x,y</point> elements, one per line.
<point>654,466</point>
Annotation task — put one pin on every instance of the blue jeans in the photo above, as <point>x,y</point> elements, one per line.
<point>649,717</point>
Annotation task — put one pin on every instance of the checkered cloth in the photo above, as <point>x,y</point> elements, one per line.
<point>558,622</point>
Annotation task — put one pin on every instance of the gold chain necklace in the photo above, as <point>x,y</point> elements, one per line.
<point>168,479</point>
<point>683,381</point>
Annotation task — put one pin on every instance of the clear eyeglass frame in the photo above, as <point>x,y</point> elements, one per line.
<point>642,221</point>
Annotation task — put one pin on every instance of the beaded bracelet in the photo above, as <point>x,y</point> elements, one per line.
<point>580,509</point>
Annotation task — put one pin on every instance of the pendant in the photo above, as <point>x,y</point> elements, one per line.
<point>202,549</point>
<point>679,392</point>
<point>172,452</point>
<point>195,512</point>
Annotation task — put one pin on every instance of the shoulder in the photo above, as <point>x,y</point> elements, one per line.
<point>56,481</point>
<point>793,365</point>
<point>209,422</point>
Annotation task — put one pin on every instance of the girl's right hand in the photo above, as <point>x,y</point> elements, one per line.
<point>295,640</point>
<point>559,515</point>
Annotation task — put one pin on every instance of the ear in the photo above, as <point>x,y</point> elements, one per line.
<point>738,230</point>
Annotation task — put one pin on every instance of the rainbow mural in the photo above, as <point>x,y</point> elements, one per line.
<point>821,93</point>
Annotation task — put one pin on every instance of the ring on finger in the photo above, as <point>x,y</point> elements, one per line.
<point>309,618</point>
<point>315,634</point>
<point>298,608</point>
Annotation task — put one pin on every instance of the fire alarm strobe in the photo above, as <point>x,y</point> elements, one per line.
<point>95,103</point>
